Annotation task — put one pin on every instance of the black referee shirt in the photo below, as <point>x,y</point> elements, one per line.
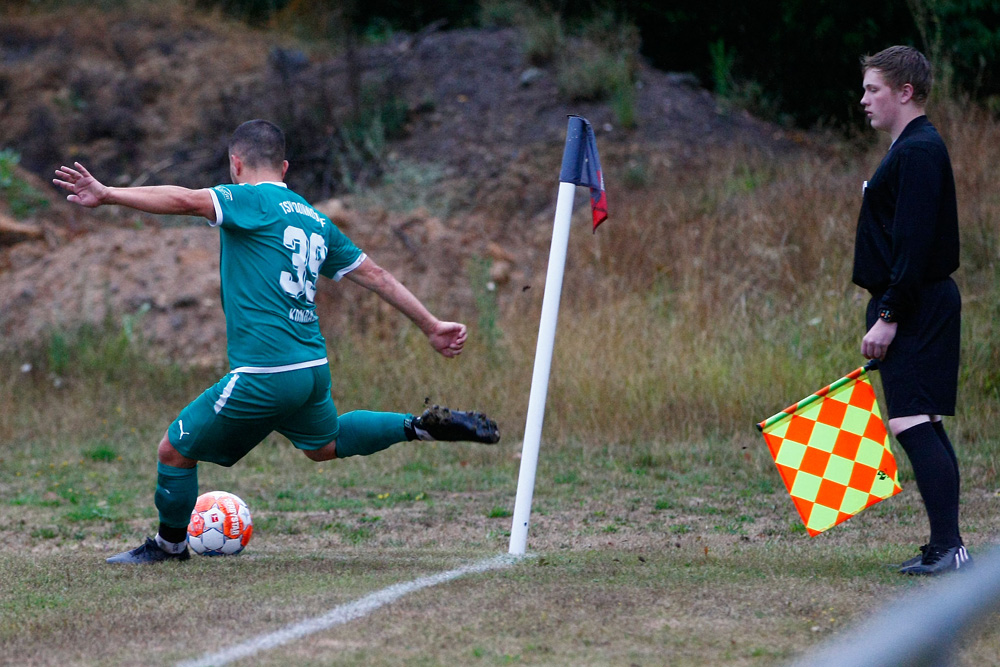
<point>908,227</point>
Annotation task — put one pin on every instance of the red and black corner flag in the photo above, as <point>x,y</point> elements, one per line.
<point>582,166</point>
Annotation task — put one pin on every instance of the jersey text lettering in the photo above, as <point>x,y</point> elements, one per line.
<point>301,209</point>
<point>304,316</point>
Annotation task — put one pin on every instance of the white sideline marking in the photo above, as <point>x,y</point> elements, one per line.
<point>343,613</point>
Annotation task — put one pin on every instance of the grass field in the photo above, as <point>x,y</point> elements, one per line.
<point>661,533</point>
<point>675,550</point>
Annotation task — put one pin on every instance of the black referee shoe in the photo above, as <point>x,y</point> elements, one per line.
<point>939,560</point>
<point>149,552</point>
<point>438,423</point>
<point>910,562</point>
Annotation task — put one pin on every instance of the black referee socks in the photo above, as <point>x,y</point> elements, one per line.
<point>936,473</point>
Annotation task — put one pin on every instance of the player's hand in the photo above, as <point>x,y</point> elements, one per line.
<point>448,338</point>
<point>84,189</point>
<point>876,342</point>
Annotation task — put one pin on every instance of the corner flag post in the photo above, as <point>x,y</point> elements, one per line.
<point>543,364</point>
<point>579,158</point>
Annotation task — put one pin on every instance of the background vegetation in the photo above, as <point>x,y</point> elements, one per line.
<point>663,340</point>
<point>794,61</point>
<point>787,58</point>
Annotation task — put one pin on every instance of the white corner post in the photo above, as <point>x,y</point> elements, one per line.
<point>543,365</point>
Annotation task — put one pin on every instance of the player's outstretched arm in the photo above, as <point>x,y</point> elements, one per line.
<point>87,191</point>
<point>448,338</point>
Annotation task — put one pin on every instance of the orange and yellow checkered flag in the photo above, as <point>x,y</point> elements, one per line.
<point>832,452</point>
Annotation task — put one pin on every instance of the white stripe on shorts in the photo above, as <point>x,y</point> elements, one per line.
<point>226,393</point>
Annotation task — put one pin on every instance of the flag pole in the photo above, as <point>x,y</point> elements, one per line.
<point>872,365</point>
<point>543,365</point>
<point>579,156</point>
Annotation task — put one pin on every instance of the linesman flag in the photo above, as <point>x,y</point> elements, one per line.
<point>582,166</point>
<point>832,452</point>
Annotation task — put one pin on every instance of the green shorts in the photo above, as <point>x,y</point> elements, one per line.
<point>240,410</point>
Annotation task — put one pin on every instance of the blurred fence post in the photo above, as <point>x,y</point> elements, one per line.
<point>921,629</point>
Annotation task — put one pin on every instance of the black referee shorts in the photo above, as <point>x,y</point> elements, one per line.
<point>920,370</point>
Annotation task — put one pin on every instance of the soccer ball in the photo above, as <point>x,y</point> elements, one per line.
<point>220,524</point>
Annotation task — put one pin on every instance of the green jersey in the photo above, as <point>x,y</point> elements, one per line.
<point>274,247</point>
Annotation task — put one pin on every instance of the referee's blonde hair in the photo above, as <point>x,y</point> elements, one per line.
<point>900,65</point>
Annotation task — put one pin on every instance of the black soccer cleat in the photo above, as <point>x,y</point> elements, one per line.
<point>916,560</point>
<point>939,560</point>
<point>149,552</point>
<point>438,423</point>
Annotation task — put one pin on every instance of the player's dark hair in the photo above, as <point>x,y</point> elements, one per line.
<point>259,143</point>
<point>900,65</point>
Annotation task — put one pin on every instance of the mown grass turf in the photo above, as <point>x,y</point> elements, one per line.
<point>686,551</point>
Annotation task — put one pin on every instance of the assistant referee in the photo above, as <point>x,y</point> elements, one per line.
<point>905,252</point>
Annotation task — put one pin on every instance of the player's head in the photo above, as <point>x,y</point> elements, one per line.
<point>900,65</point>
<point>259,144</point>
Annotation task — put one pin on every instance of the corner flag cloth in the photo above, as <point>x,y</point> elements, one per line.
<point>832,452</point>
<point>582,166</point>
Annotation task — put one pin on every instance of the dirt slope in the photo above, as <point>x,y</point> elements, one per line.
<point>145,99</point>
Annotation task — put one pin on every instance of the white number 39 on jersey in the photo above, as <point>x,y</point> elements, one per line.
<point>308,255</point>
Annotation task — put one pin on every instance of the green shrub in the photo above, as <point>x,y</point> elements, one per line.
<point>499,13</point>
<point>542,38</point>
<point>597,63</point>
<point>23,199</point>
<point>593,75</point>
<point>484,291</point>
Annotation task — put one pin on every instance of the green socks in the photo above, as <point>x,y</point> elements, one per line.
<point>176,494</point>
<point>363,432</point>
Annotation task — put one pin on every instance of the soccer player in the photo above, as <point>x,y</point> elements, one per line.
<point>905,252</point>
<point>274,248</point>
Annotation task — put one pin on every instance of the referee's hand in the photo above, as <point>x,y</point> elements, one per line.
<point>876,342</point>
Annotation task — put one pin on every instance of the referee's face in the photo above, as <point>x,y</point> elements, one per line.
<point>882,105</point>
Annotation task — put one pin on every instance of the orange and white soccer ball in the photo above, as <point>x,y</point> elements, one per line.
<point>220,524</point>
